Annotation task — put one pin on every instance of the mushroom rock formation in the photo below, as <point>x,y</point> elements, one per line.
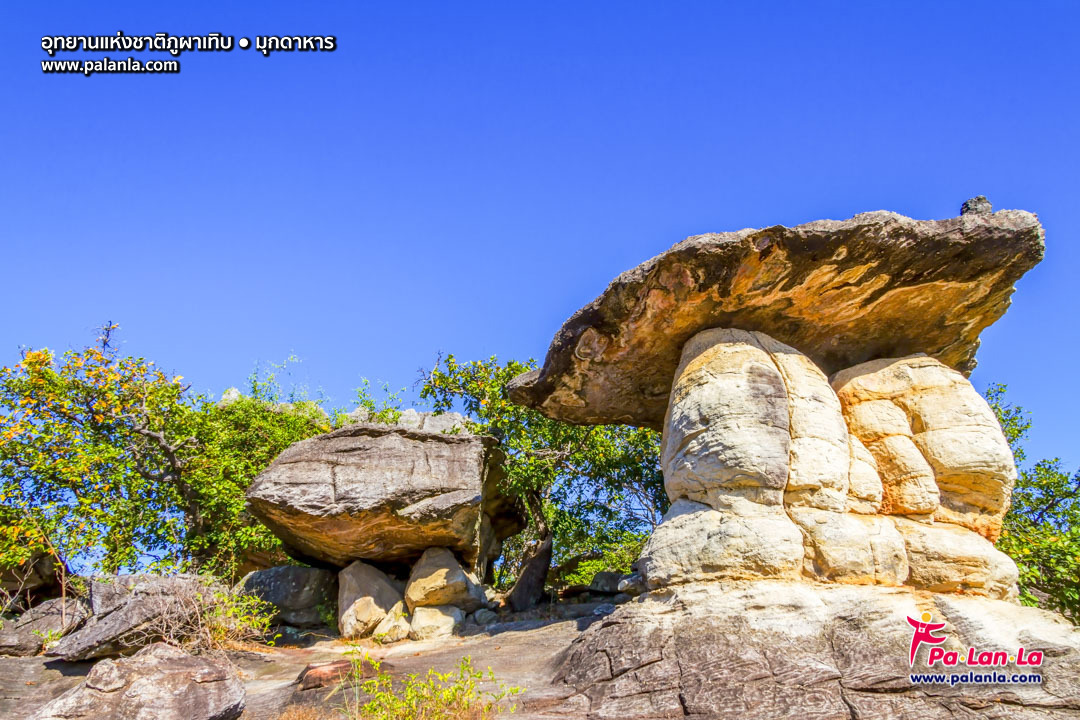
<point>893,471</point>
<point>833,474</point>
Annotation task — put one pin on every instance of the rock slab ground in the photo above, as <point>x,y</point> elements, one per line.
<point>160,682</point>
<point>773,649</point>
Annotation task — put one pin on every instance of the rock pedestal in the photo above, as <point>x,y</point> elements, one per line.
<point>936,443</point>
<point>767,481</point>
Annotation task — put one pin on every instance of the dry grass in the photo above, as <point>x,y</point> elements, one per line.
<point>305,712</point>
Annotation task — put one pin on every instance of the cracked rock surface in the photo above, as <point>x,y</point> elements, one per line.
<point>775,649</point>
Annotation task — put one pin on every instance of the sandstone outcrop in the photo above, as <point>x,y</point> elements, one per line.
<point>365,597</point>
<point>695,542</point>
<point>160,682</point>
<point>841,292</point>
<point>767,481</point>
<point>394,626</point>
<point>776,649</point>
<point>26,634</point>
<point>774,469</point>
<point>435,621</point>
<point>438,579</point>
<point>385,493</point>
<point>130,612</point>
<point>937,445</point>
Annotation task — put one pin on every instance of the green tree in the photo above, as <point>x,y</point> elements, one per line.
<point>107,463</point>
<point>1041,532</point>
<point>586,489</point>
<point>92,452</point>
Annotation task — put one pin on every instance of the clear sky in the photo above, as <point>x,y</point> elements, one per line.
<point>462,176</point>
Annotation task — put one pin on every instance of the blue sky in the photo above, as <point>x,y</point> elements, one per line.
<point>461,177</point>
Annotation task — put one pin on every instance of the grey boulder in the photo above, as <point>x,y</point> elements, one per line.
<point>385,493</point>
<point>52,619</point>
<point>160,682</point>
<point>130,611</point>
<point>38,577</point>
<point>301,595</point>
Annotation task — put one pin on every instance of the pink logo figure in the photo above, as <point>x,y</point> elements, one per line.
<point>924,633</point>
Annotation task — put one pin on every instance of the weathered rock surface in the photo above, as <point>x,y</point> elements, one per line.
<point>877,285</point>
<point>160,682</point>
<point>606,582</point>
<point>850,548</point>
<point>129,612</point>
<point>386,493</point>
<point>938,447</point>
<point>727,431</point>
<point>695,542</point>
<point>773,649</point>
<point>298,593</point>
<point>864,482</point>
<point>365,596</point>
<point>394,626</point>
<point>948,558</point>
<point>435,621</point>
<point>483,616</point>
<point>438,579</point>
<point>753,418</point>
<point>819,457</point>
<point>445,422</point>
<point>25,635</point>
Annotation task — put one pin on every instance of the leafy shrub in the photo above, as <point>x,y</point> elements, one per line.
<point>108,463</point>
<point>586,489</point>
<point>615,554</point>
<point>1041,532</point>
<point>454,695</point>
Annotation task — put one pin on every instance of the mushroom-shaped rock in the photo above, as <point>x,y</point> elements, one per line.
<point>774,470</point>
<point>386,493</point>
<point>841,292</point>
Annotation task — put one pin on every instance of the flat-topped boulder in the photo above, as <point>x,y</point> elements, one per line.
<point>879,285</point>
<point>386,493</point>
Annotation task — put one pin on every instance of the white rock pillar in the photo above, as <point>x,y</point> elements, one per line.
<point>938,447</point>
<point>725,456</point>
<point>758,463</point>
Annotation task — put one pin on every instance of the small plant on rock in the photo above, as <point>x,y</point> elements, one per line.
<point>49,638</point>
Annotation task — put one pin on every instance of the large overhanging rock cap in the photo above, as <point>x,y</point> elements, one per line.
<point>842,292</point>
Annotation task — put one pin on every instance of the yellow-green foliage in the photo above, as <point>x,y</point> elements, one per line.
<point>1042,530</point>
<point>454,695</point>
<point>108,463</point>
